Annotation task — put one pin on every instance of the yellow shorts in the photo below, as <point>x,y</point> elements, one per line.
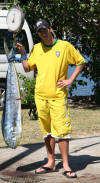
<point>54,118</point>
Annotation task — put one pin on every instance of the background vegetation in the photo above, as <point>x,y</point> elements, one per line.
<point>27,95</point>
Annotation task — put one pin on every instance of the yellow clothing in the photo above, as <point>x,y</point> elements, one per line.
<point>52,65</point>
<point>54,118</point>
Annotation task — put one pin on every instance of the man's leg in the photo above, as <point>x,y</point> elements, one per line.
<point>50,147</point>
<point>45,123</point>
<point>64,149</point>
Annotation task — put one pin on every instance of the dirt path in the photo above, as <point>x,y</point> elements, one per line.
<point>18,165</point>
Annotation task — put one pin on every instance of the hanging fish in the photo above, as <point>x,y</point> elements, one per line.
<point>11,118</point>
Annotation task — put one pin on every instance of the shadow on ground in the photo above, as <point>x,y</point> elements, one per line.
<point>30,149</point>
<point>23,174</point>
<point>85,102</point>
<point>77,163</point>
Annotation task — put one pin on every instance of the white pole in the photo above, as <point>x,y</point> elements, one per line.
<point>15,2</point>
<point>64,35</point>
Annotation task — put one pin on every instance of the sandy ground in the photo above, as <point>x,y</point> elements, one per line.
<point>18,165</point>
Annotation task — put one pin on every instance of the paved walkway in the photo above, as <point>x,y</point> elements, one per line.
<point>18,165</point>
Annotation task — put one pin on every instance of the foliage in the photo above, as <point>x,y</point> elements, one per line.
<point>27,94</point>
<point>79,20</point>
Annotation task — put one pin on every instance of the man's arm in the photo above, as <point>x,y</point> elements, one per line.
<point>63,83</point>
<point>23,56</point>
<point>25,66</point>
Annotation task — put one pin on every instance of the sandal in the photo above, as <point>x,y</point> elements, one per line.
<point>45,170</point>
<point>65,173</point>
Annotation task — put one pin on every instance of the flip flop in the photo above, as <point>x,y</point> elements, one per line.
<point>65,173</point>
<point>45,170</point>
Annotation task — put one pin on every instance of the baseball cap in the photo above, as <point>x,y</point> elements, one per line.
<point>42,24</point>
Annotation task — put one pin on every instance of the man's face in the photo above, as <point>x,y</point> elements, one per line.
<point>44,34</point>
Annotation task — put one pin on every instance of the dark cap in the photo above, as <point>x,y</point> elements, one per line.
<point>42,24</point>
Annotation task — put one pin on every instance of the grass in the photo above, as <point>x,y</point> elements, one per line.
<point>31,131</point>
<point>85,122</point>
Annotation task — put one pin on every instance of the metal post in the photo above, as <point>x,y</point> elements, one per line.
<point>64,35</point>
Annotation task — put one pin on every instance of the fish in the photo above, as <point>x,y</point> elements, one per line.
<point>11,122</point>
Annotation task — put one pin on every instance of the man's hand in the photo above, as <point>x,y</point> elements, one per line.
<point>21,48</point>
<point>67,82</point>
<point>64,83</point>
<point>23,56</point>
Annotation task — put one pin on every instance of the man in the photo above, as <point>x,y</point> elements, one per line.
<point>51,57</point>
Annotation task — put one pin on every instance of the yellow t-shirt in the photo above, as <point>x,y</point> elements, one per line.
<point>52,65</point>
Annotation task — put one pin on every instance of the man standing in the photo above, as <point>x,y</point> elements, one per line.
<point>52,57</point>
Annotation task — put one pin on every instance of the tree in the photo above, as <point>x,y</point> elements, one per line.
<point>80,20</point>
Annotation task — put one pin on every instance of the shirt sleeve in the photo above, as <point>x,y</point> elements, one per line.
<point>31,60</point>
<point>74,56</point>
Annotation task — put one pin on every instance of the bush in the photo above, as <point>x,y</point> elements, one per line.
<point>27,95</point>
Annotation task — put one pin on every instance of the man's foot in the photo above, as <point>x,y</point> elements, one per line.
<point>70,174</point>
<point>46,169</point>
<point>43,170</point>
